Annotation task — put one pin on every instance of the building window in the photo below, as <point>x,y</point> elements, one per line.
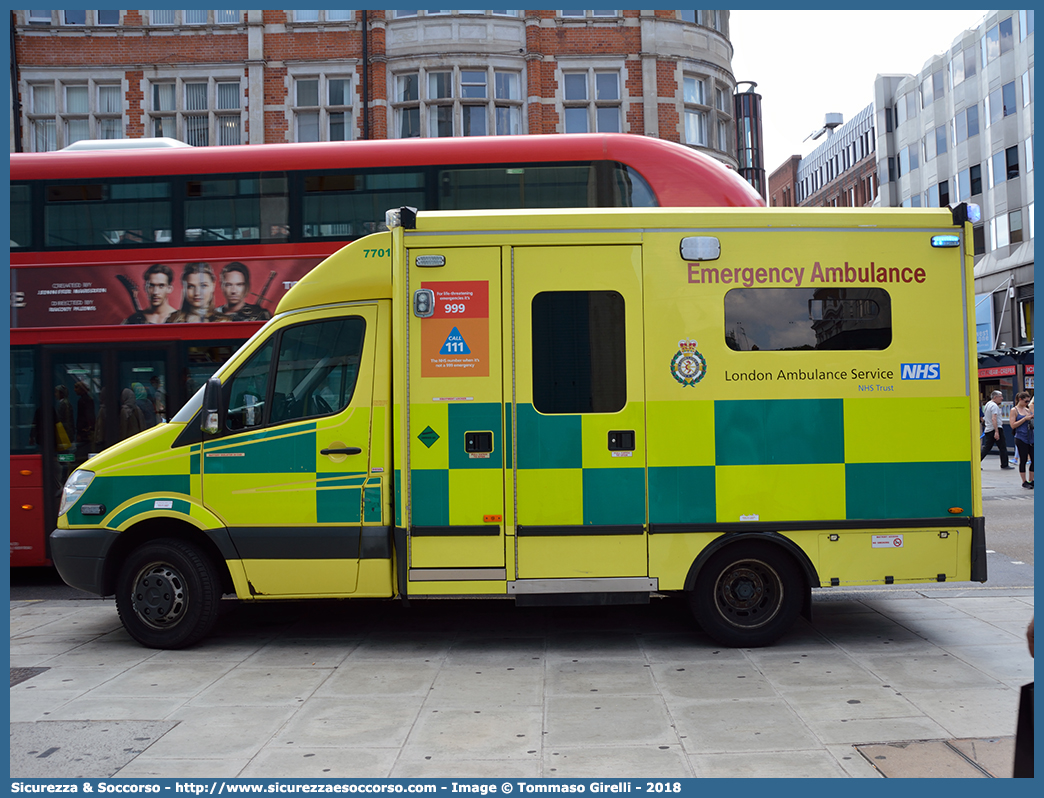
<point>966,124</point>
<point>963,66</point>
<point>690,15</point>
<point>38,17</point>
<point>342,15</point>
<point>999,232</point>
<point>63,113</point>
<point>979,240</point>
<point>199,112</point>
<point>723,135</point>
<point>932,89</point>
<point>585,14</point>
<point>694,95</point>
<point>194,17</point>
<point>322,108</point>
<point>591,101</point>
<point>1025,24</point>
<point>1027,95</point>
<point>458,102</point>
<point>1011,159</point>
<point>1015,227</point>
<point>1029,154</point>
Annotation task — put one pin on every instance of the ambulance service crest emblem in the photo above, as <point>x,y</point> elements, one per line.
<point>688,366</point>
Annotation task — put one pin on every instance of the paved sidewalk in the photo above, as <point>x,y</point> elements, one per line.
<point>902,682</point>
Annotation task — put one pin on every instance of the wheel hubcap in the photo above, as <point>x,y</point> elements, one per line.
<point>159,596</point>
<point>748,594</point>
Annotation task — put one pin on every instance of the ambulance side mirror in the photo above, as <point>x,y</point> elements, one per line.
<point>211,415</point>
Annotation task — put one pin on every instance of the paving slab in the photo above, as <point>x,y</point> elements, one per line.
<point>815,764</point>
<point>190,768</point>
<point>929,760</point>
<point>994,755</point>
<point>466,768</point>
<point>262,687</point>
<point>821,670</point>
<point>596,675</point>
<point>970,711</point>
<point>475,734</point>
<point>741,726</point>
<point>711,681</point>
<point>488,686</point>
<point>380,677</point>
<point>79,749</point>
<point>923,670</point>
<point>608,720</point>
<point>307,762</point>
<point>379,722</point>
<point>608,762</point>
<point>232,734</point>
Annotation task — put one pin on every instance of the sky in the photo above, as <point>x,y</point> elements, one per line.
<point>811,63</point>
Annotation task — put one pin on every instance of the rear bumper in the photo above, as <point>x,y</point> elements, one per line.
<point>79,555</point>
<point>978,549</point>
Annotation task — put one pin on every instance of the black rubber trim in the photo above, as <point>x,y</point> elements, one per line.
<point>79,556</point>
<point>492,530</point>
<point>401,561</point>
<point>586,529</point>
<point>376,543</point>
<point>800,526</point>
<point>978,549</point>
<point>311,542</point>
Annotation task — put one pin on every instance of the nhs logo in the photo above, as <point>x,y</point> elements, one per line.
<point>919,371</point>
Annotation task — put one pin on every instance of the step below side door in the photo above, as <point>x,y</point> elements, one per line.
<point>456,420</point>
<point>580,478</point>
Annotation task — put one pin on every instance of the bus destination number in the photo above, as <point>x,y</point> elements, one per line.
<point>384,252</point>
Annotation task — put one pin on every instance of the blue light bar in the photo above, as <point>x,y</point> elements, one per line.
<point>946,241</point>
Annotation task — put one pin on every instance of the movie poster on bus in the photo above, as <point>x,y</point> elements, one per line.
<point>153,292</point>
<point>455,338</point>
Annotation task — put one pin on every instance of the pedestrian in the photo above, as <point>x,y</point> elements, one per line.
<point>131,419</point>
<point>1021,420</point>
<point>993,431</point>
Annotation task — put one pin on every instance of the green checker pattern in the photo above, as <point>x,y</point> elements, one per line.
<point>780,445</point>
<point>431,491</point>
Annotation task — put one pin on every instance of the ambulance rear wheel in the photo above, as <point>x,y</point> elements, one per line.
<point>167,594</point>
<point>748,594</point>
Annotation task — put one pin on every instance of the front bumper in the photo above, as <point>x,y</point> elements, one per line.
<point>79,555</point>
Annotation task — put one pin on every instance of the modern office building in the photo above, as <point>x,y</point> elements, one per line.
<point>211,78</point>
<point>959,130</point>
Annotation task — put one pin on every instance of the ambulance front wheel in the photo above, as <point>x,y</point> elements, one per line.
<point>167,594</point>
<point>748,594</point>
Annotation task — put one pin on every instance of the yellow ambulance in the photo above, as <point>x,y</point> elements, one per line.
<point>590,406</point>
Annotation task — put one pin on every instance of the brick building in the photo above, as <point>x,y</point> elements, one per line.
<point>249,77</point>
<point>781,183</point>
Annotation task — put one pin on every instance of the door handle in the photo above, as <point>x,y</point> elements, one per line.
<point>345,450</point>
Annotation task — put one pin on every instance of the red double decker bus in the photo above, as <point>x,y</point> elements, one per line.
<point>137,271</point>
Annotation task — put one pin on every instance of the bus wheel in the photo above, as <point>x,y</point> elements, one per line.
<point>167,594</point>
<point>747,594</point>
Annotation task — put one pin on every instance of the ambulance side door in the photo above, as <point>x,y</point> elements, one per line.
<point>286,472</point>
<point>579,416</point>
<point>456,421</point>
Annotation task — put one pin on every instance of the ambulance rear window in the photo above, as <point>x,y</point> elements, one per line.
<point>787,319</point>
<point>579,352</point>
